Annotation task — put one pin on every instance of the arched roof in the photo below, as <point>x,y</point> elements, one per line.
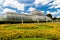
<point>35,12</point>
<point>19,17</point>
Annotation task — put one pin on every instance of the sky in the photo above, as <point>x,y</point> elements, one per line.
<point>25,6</point>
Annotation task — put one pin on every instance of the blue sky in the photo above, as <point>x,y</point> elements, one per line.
<point>25,6</point>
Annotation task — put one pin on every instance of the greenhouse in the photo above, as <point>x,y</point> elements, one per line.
<point>33,16</point>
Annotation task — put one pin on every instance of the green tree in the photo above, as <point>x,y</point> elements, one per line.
<point>49,15</point>
<point>58,18</point>
<point>54,18</point>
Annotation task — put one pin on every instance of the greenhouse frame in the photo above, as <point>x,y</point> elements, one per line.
<point>16,17</point>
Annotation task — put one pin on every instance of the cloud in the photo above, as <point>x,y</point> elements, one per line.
<point>31,9</point>
<point>53,13</point>
<point>22,6</point>
<point>43,2</point>
<point>58,16</point>
<point>14,3</point>
<point>1,1</point>
<point>8,10</point>
<point>42,11</point>
<point>55,4</point>
<point>24,12</point>
<point>26,1</point>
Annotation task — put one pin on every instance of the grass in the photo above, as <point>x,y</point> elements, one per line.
<point>40,27</point>
<point>11,28</point>
<point>31,39</point>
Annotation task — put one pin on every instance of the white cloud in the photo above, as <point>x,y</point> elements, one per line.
<point>55,4</point>
<point>24,12</point>
<point>31,9</point>
<point>42,11</point>
<point>58,16</point>
<point>43,2</point>
<point>53,13</point>
<point>8,10</point>
<point>1,1</point>
<point>14,3</point>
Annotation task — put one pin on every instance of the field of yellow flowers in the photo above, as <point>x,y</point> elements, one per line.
<point>49,30</point>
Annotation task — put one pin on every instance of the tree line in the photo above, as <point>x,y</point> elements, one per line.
<point>55,18</point>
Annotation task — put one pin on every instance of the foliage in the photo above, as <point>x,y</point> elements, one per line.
<point>25,26</point>
<point>49,15</point>
<point>54,18</point>
<point>53,33</point>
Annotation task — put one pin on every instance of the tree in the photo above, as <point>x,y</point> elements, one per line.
<point>49,15</point>
<point>54,18</point>
<point>58,18</point>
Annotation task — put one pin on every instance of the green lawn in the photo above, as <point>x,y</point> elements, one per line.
<point>31,39</point>
<point>39,28</point>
